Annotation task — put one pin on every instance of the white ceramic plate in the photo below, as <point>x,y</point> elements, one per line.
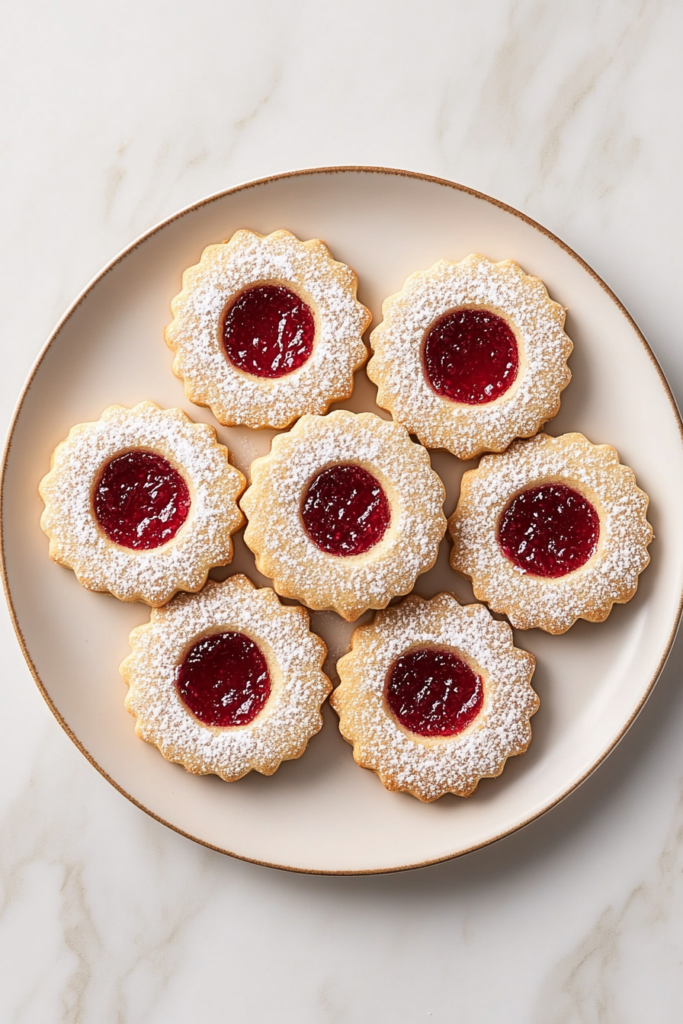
<point>322,813</point>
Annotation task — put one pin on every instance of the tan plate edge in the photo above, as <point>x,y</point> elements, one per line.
<point>350,169</point>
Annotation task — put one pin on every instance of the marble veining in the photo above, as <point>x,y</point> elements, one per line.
<point>116,116</point>
<point>633,948</point>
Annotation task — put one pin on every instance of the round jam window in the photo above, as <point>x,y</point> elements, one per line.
<point>345,510</point>
<point>268,331</point>
<point>224,680</point>
<point>549,531</point>
<point>140,500</point>
<point>434,692</point>
<point>470,356</point>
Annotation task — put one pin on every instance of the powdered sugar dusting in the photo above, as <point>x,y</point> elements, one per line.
<point>430,767</point>
<point>523,302</point>
<point>609,576</point>
<point>203,541</point>
<point>295,655</point>
<point>278,537</point>
<point>226,270</point>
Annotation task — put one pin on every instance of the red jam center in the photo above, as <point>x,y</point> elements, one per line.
<point>434,692</point>
<point>268,331</point>
<point>141,501</point>
<point>224,680</point>
<point>345,511</point>
<point>470,356</point>
<point>549,530</point>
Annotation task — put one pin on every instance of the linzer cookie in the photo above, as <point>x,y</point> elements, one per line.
<point>227,681</point>
<point>551,531</point>
<point>344,513</point>
<point>141,503</point>
<point>471,355</point>
<point>266,328</point>
<point>434,696</point>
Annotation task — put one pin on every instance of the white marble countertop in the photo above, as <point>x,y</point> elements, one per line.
<point>116,115</point>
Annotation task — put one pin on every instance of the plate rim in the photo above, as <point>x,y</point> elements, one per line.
<point>71,309</point>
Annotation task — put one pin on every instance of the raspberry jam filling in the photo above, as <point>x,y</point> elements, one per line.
<point>224,680</point>
<point>434,692</point>
<point>140,500</point>
<point>549,531</point>
<point>345,510</point>
<point>268,331</point>
<point>470,356</point>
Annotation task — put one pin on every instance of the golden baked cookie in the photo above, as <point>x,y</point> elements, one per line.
<point>344,513</point>
<point>267,328</point>
<point>227,681</point>
<point>434,696</point>
<point>141,503</point>
<point>551,531</point>
<point>471,355</point>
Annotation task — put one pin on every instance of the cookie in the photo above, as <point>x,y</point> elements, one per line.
<point>344,513</point>
<point>141,503</point>
<point>471,355</point>
<point>227,681</point>
<point>434,696</point>
<point>551,531</point>
<point>267,328</point>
